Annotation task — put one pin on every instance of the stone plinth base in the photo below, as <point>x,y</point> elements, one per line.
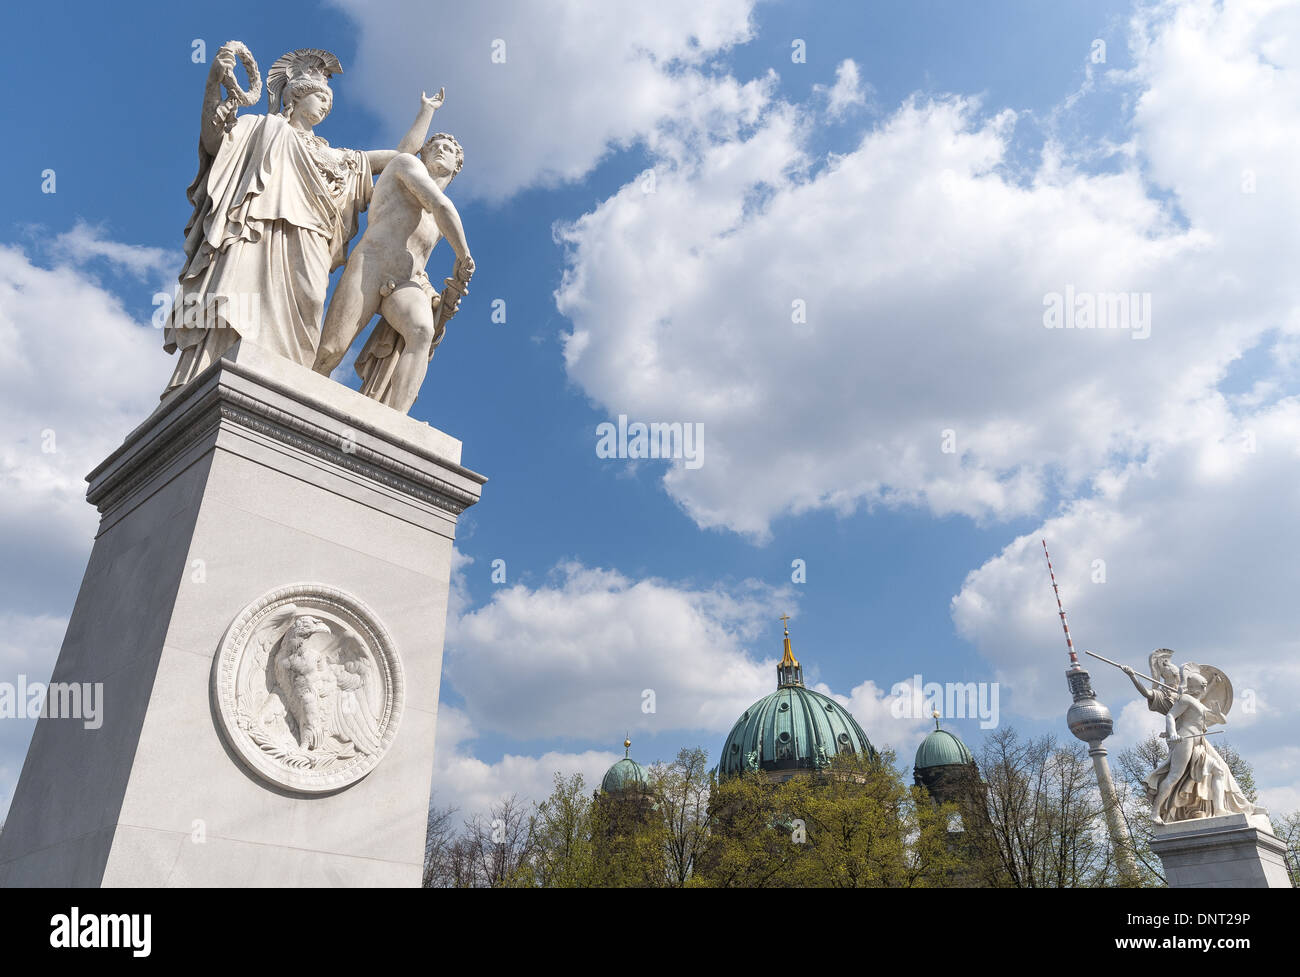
<point>1232,851</point>
<point>257,476</point>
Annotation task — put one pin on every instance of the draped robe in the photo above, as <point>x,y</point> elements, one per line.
<point>273,213</point>
<point>1192,797</point>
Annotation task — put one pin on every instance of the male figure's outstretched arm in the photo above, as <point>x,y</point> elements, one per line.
<point>414,138</point>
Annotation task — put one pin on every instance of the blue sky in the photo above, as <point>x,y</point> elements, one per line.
<point>922,181</point>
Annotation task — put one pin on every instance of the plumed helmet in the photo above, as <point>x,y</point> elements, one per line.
<point>307,64</point>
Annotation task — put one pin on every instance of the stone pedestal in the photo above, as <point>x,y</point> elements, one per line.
<point>1231,851</point>
<point>256,477</point>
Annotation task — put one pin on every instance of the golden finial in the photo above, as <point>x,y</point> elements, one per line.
<point>935,714</point>
<point>627,746</point>
<point>788,658</point>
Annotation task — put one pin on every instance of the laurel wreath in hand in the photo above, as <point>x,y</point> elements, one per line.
<point>237,97</point>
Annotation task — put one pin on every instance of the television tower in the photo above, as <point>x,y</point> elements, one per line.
<point>1091,722</point>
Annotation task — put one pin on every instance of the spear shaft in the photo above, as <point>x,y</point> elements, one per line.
<point>1190,736</point>
<point>1121,668</point>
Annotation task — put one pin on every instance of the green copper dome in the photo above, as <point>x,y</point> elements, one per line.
<point>794,728</point>
<point>941,749</point>
<point>626,774</point>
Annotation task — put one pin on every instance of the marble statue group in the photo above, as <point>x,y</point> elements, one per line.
<point>275,207</point>
<point>1194,781</point>
<point>265,600</point>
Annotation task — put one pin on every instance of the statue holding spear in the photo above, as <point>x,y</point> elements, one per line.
<point>1194,781</point>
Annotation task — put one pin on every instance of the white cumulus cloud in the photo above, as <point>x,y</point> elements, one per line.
<point>847,91</point>
<point>593,651</point>
<point>77,373</point>
<point>870,328</point>
<point>539,91</point>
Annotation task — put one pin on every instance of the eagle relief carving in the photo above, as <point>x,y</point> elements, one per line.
<point>308,688</point>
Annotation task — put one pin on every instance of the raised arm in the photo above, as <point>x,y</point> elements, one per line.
<point>215,114</point>
<point>414,138</point>
<point>1146,693</point>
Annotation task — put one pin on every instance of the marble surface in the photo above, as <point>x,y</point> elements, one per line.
<point>247,480</point>
<point>1226,851</point>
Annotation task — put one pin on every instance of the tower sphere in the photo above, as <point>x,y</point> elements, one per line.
<point>1089,720</point>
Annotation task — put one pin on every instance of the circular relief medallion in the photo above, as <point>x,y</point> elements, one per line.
<point>308,688</point>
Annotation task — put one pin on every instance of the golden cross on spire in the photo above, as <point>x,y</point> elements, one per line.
<point>788,659</point>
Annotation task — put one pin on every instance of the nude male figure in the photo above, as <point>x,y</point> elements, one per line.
<point>385,273</point>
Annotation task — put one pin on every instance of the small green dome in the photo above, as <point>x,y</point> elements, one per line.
<point>627,774</point>
<point>941,749</point>
<point>792,728</point>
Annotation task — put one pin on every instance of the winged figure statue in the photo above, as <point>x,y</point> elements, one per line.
<point>1194,781</point>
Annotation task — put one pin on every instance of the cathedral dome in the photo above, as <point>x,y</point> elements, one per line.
<point>625,775</point>
<point>793,728</point>
<point>940,749</point>
<point>944,765</point>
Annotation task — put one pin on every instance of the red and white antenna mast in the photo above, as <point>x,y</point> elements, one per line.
<point>1091,722</point>
<point>1069,642</point>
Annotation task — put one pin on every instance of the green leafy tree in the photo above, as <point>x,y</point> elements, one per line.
<point>577,838</point>
<point>755,842</point>
<point>853,825</point>
<point>564,853</point>
<point>630,842</point>
<point>867,828</point>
